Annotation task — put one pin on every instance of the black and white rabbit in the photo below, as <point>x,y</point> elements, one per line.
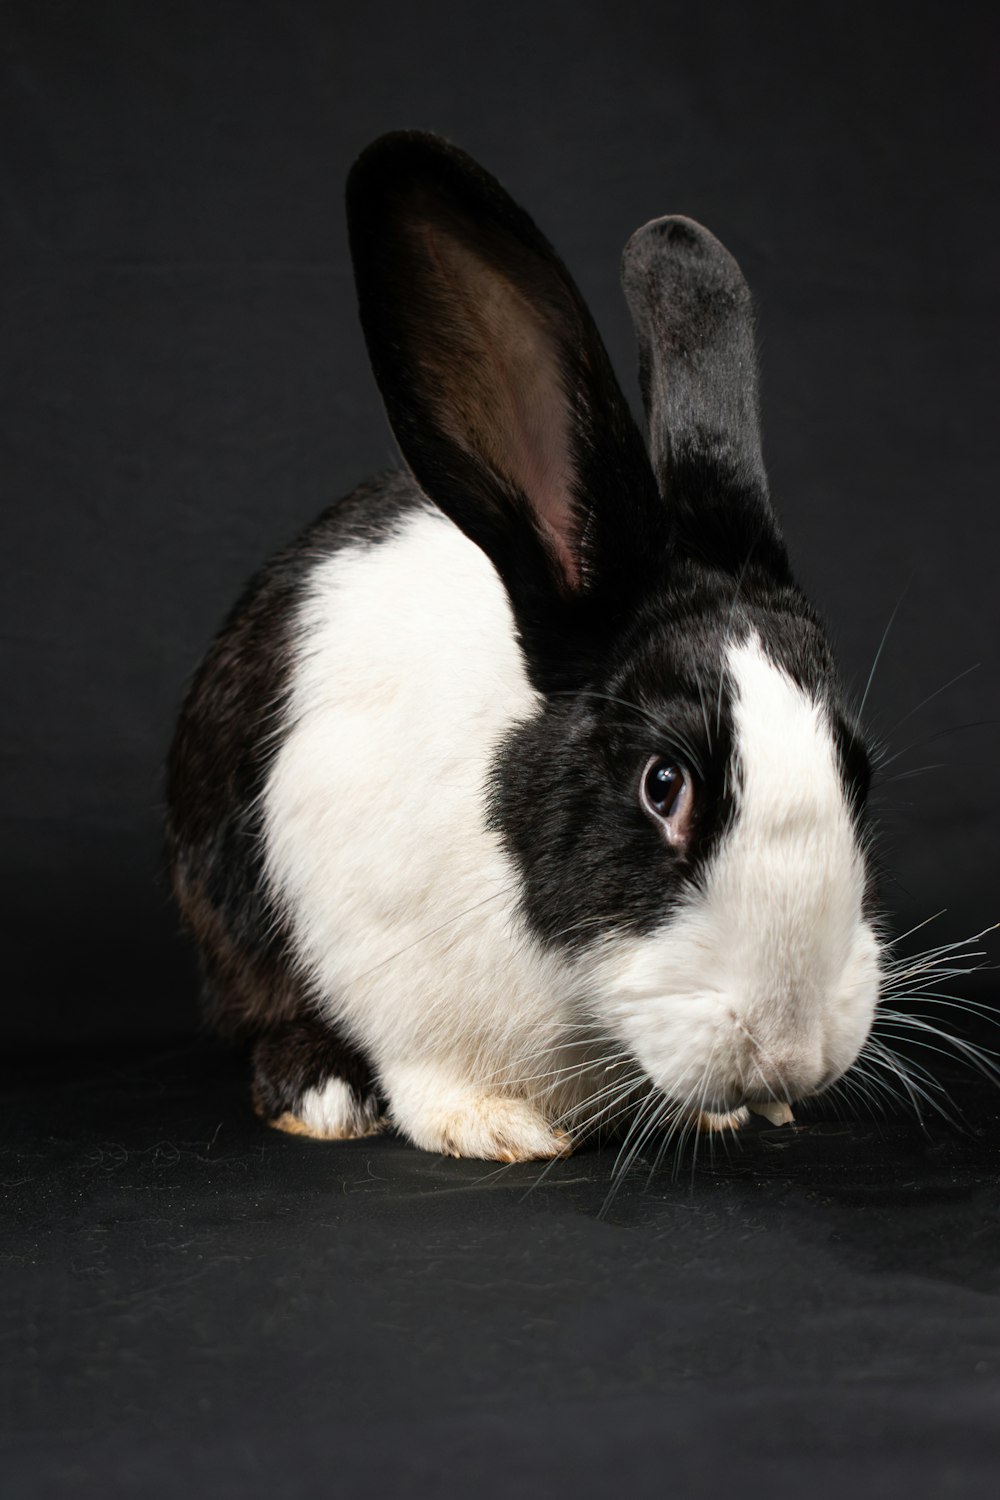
<point>521,790</point>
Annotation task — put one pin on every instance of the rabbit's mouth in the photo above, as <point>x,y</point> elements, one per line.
<point>713,1122</point>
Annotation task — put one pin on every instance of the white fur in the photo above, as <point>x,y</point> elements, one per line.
<point>764,984</point>
<point>401,901</point>
<point>334,1112</point>
<point>403,905</point>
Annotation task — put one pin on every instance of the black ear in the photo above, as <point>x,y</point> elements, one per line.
<point>698,372</point>
<point>496,383</point>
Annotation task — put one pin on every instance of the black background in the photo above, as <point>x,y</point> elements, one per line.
<point>194,1304</point>
<point>186,385</point>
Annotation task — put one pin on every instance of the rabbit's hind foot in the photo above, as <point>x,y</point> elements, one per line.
<point>307,1081</point>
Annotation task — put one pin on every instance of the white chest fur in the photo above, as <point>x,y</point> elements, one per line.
<point>401,902</point>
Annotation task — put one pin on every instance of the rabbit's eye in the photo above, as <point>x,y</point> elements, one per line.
<point>662,787</point>
<point>667,797</point>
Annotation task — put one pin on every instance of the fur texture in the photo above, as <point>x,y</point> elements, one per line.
<point>407,819</point>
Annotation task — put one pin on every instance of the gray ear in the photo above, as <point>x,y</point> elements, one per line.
<point>698,371</point>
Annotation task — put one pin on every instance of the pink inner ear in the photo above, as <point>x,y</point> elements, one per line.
<point>500,392</point>
<point>539,456</point>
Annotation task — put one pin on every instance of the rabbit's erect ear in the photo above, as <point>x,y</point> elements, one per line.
<point>496,383</point>
<point>698,372</point>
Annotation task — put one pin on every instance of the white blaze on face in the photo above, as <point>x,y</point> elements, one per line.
<point>765,982</point>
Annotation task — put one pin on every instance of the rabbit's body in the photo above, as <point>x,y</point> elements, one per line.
<point>512,797</point>
<point>405,929</point>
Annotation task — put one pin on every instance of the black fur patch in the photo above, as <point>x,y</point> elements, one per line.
<point>693,318</point>
<point>566,784</point>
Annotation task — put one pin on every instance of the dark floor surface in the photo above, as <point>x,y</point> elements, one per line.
<point>196,1305</point>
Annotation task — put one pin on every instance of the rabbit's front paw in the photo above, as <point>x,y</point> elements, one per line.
<point>495,1128</point>
<point>466,1121</point>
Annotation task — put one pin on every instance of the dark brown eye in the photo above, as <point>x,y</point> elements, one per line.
<point>667,797</point>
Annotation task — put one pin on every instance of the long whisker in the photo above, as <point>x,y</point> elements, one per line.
<point>881,648</point>
<point>936,693</point>
<point>895,1064</point>
<point>977,1057</point>
<point>939,734</point>
<point>647,1113</point>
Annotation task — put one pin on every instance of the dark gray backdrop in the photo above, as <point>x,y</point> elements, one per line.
<point>185,383</point>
